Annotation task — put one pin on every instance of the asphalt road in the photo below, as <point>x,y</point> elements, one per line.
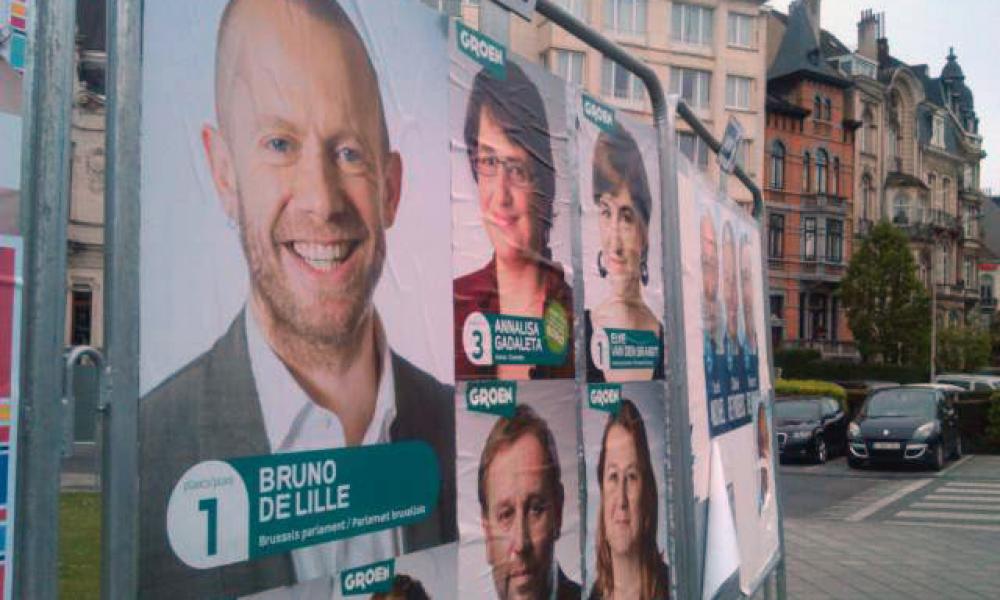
<point>892,533</point>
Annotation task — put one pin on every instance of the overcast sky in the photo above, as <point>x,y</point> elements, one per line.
<point>920,31</point>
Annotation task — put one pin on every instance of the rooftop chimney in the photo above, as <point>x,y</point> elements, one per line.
<point>869,31</point>
<point>813,10</point>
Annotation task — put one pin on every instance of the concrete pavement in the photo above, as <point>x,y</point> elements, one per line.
<point>908,534</point>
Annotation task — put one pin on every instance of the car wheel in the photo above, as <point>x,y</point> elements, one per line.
<point>821,450</point>
<point>958,448</point>
<point>938,461</point>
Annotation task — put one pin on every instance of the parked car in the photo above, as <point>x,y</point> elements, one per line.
<point>910,424</point>
<point>811,427</point>
<point>970,383</point>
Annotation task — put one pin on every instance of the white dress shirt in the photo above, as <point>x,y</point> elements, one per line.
<point>294,423</point>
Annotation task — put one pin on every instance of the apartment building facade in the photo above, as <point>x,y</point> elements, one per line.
<point>809,186</point>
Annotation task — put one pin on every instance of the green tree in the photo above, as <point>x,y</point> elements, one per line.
<point>887,305</point>
<point>962,348</point>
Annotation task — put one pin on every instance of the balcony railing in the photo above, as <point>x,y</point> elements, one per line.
<point>827,201</point>
<point>927,222</point>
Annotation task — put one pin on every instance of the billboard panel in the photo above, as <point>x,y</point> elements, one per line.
<point>297,418</point>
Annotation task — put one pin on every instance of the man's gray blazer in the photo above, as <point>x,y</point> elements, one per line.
<point>210,410</point>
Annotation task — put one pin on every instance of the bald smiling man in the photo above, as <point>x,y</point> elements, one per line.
<point>301,162</point>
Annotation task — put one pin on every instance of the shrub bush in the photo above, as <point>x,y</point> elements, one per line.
<point>809,387</point>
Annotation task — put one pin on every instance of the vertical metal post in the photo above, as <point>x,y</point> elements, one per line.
<point>934,250</point>
<point>44,214</point>
<point>119,572</point>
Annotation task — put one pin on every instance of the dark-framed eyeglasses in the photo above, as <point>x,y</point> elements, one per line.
<point>518,172</point>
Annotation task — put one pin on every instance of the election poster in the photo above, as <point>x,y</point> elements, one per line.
<point>729,387</point>
<point>297,419</point>
<point>624,451</point>
<point>11,277</point>
<point>511,193</point>
<point>518,490</point>
<point>622,245</point>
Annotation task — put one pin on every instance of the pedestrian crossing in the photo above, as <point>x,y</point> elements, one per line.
<point>968,505</point>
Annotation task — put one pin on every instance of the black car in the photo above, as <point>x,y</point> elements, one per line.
<point>811,427</point>
<point>912,424</point>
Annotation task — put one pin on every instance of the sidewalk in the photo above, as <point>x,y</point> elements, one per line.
<point>837,559</point>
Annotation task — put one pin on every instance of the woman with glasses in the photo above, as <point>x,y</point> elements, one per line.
<point>621,193</point>
<point>510,154</point>
<point>629,564</point>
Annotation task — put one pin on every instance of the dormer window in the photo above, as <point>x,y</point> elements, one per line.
<point>937,131</point>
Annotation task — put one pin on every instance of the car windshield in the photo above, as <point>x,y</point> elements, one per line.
<point>901,403</point>
<point>797,409</point>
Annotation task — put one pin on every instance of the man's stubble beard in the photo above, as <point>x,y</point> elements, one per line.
<point>305,326</point>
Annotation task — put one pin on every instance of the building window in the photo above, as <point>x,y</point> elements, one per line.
<point>738,92</point>
<point>821,162</point>
<point>694,86</point>
<point>567,64</point>
<point>834,240</point>
<point>82,300</point>
<point>694,148</point>
<point>869,132</point>
<point>776,236</point>
<point>778,166</point>
<point>835,182</point>
<point>691,24</point>
<point>616,82</point>
<point>817,108</point>
<point>625,16</point>
<point>809,238</point>
<point>969,274</point>
<point>937,131</point>
<point>866,197</point>
<point>828,110</point>
<point>892,143</point>
<point>577,8</point>
<point>946,195</point>
<point>901,209</point>
<point>740,30</point>
<point>806,173</point>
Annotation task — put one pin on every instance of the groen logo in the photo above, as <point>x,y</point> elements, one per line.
<point>556,328</point>
<point>369,579</point>
<point>605,396</point>
<point>599,114</point>
<point>495,397</point>
<point>483,50</point>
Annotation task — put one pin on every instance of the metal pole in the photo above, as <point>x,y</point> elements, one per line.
<point>44,213</point>
<point>119,568</point>
<point>934,250</point>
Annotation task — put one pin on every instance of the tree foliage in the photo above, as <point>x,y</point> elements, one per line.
<point>963,349</point>
<point>887,305</point>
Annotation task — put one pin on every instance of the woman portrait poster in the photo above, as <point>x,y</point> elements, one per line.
<point>513,301</point>
<point>626,525</point>
<point>621,251</point>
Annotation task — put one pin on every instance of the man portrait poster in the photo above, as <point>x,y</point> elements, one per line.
<point>290,207</point>
<point>518,497</point>
<point>513,315</point>
<point>622,248</point>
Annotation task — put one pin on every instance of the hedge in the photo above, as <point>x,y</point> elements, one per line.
<point>805,364</point>
<point>809,387</point>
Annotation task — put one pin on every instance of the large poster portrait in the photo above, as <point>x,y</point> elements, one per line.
<point>625,455</point>
<point>297,417</point>
<point>510,200</point>
<point>622,246</point>
<point>518,491</point>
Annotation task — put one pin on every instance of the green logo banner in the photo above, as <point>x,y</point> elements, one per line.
<point>221,512</point>
<point>496,339</point>
<point>482,49</point>
<point>494,397</point>
<point>605,397</point>
<point>369,579</point>
<point>633,348</point>
<point>598,113</point>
